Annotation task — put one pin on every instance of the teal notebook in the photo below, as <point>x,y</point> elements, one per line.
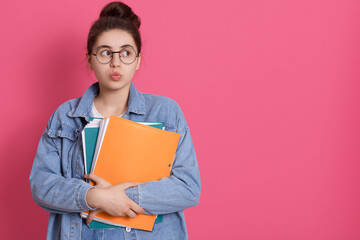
<point>89,137</point>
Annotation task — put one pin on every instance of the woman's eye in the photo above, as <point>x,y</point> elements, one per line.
<point>126,53</point>
<point>106,53</point>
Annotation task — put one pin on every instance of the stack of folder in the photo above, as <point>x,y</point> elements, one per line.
<point>120,150</point>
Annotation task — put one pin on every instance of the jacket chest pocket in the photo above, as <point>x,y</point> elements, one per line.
<point>71,152</point>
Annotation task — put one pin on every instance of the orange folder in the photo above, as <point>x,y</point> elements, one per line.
<point>131,151</point>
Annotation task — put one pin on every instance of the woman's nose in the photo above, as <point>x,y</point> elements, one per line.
<point>115,62</point>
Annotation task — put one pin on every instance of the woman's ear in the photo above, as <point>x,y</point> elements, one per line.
<point>88,58</point>
<point>138,62</point>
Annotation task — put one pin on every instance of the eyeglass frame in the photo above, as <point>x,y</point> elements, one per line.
<point>112,54</point>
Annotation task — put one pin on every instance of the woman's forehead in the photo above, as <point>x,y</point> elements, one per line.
<point>115,38</point>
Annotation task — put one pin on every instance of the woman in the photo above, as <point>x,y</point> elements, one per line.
<point>56,179</point>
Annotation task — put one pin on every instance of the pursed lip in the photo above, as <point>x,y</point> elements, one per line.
<point>115,76</point>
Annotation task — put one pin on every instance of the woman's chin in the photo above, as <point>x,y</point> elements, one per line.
<point>115,85</point>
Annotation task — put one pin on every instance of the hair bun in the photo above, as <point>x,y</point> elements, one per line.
<point>120,10</point>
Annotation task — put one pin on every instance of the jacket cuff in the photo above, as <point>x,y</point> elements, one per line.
<point>82,197</point>
<point>133,194</point>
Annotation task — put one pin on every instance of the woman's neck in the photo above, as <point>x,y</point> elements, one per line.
<point>111,102</point>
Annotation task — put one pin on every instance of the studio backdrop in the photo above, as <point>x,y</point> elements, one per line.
<point>270,90</point>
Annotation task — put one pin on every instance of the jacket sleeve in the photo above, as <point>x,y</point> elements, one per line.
<point>178,191</point>
<point>50,189</point>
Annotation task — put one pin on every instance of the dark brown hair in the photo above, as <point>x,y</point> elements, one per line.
<point>115,15</point>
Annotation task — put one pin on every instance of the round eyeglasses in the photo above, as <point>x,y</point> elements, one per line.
<point>127,55</point>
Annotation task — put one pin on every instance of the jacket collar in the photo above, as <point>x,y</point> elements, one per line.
<point>136,101</point>
<point>83,109</point>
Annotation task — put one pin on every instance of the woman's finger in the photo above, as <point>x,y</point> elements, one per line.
<point>96,179</point>
<point>131,213</point>
<point>126,185</point>
<point>91,215</point>
<point>136,208</point>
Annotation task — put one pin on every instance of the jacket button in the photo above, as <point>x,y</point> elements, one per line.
<point>128,229</point>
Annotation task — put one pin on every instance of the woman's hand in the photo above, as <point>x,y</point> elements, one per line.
<point>111,199</point>
<point>99,183</point>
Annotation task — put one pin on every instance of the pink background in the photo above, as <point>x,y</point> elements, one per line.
<point>270,90</point>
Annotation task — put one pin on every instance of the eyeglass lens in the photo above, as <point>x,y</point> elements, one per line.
<point>127,55</point>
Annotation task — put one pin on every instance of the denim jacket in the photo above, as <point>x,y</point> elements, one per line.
<point>57,182</point>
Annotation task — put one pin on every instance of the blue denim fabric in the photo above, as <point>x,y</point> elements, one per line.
<point>58,186</point>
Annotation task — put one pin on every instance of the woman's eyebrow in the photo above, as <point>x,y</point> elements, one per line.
<point>107,46</point>
<point>126,45</point>
<point>102,46</point>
